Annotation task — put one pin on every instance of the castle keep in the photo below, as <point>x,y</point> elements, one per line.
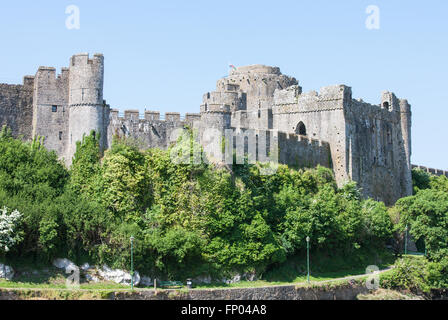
<point>370,144</point>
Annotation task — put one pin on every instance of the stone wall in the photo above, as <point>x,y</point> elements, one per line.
<point>379,159</point>
<point>149,130</point>
<point>437,172</point>
<point>50,108</point>
<point>321,117</point>
<point>288,292</point>
<point>300,151</point>
<point>369,144</point>
<point>16,107</point>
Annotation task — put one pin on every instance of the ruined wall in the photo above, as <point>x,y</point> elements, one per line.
<point>16,107</point>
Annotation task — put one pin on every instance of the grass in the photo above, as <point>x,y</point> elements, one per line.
<point>291,272</point>
<point>385,294</point>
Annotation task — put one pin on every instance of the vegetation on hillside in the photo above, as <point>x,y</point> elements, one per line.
<point>197,219</point>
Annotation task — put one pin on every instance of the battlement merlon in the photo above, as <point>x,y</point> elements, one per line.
<point>84,59</point>
<point>256,69</point>
<point>28,82</point>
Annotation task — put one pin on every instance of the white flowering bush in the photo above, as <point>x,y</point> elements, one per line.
<point>9,236</point>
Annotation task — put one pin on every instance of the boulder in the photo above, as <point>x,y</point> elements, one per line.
<point>6,272</point>
<point>146,282</point>
<point>64,264</point>
<point>92,278</point>
<point>86,267</point>
<point>203,279</point>
<point>236,278</point>
<point>250,276</point>
<point>118,276</point>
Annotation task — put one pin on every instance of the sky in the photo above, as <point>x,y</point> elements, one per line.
<point>164,55</point>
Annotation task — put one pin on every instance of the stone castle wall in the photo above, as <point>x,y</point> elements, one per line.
<point>379,157</point>
<point>437,172</point>
<point>370,144</point>
<point>322,117</point>
<point>149,129</point>
<point>50,108</point>
<point>16,107</point>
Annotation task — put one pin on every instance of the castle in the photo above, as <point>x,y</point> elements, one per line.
<point>370,144</point>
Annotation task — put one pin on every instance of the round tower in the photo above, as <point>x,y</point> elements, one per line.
<point>87,110</point>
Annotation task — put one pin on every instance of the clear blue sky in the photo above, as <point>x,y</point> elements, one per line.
<point>164,55</point>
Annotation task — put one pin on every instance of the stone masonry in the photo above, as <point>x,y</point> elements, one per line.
<point>370,144</point>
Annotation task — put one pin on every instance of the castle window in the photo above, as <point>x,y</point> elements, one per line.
<point>301,129</point>
<point>60,135</point>
<point>54,108</point>
<point>259,113</point>
<point>386,105</point>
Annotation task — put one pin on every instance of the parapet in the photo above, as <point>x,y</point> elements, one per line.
<point>28,82</point>
<point>172,116</point>
<point>256,68</point>
<point>134,115</point>
<point>83,59</point>
<point>152,115</point>
<point>437,172</point>
<point>335,92</point>
<point>288,95</point>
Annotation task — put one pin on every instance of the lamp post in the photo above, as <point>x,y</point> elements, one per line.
<point>132,262</point>
<point>308,258</point>
<point>406,241</point>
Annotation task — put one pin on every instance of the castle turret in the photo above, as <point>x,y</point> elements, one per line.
<point>215,119</point>
<point>406,123</point>
<point>86,106</point>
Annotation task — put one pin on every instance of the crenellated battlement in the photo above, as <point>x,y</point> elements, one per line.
<point>83,59</point>
<point>135,115</point>
<point>437,172</point>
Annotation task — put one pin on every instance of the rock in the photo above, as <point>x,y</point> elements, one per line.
<point>203,279</point>
<point>235,279</point>
<point>6,272</point>
<point>146,282</point>
<point>85,267</point>
<point>64,264</point>
<point>92,278</point>
<point>250,276</point>
<point>118,276</point>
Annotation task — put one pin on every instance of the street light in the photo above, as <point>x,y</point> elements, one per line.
<point>308,257</point>
<point>132,262</point>
<point>406,241</point>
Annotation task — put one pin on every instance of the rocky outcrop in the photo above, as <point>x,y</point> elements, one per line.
<point>118,276</point>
